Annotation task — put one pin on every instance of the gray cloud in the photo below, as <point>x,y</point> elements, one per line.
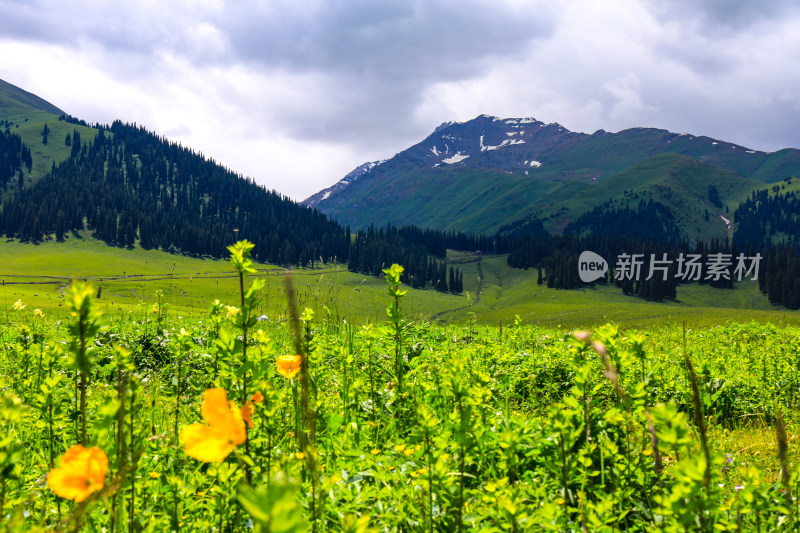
<point>270,83</point>
<point>377,59</point>
<point>372,60</point>
<point>717,17</point>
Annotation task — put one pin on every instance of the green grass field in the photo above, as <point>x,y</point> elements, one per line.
<point>512,292</point>
<point>128,281</point>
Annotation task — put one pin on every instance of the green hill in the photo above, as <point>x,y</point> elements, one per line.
<point>679,182</point>
<point>25,114</point>
<point>17,104</point>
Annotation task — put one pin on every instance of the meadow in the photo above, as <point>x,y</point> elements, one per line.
<point>270,406</point>
<point>129,281</point>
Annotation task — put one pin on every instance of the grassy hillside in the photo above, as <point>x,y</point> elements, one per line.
<point>13,99</point>
<point>129,280</point>
<point>462,199</point>
<point>678,182</point>
<point>482,201</point>
<point>28,115</point>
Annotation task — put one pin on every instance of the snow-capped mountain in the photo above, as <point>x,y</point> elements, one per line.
<point>487,172</point>
<point>314,200</point>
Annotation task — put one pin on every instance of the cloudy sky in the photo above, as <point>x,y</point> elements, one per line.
<point>298,93</point>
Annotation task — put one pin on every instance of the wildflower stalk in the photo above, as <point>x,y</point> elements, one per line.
<point>51,434</point>
<point>429,455</point>
<point>121,443</point>
<point>37,313</point>
<point>370,338</point>
<point>302,346</point>
<point>240,259</point>
<point>428,422</point>
<point>85,326</point>
<point>699,420</point>
<point>216,318</point>
<point>308,435</point>
<point>83,381</point>
<point>395,316</point>
<point>134,462</point>
<point>177,400</point>
<point>783,448</point>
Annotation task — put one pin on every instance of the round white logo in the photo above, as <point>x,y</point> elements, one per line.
<point>591,267</point>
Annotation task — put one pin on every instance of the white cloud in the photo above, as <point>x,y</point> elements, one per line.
<point>298,94</point>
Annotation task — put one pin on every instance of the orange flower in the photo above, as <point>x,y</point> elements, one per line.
<point>82,472</point>
<point>224,430</point>
<point>246,415</point>
<point>256,398</point>
<point>288,365</point>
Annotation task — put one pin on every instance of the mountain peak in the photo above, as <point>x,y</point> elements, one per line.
<point>351,176</point>
<point>485,173</point>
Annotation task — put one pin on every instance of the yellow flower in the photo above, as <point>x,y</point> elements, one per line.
<point>18,305</point>
<point>288,365</point>
<point>300,455</point>
<point>155,475</point>
<point>223,431</point>
<point>375,451</point>
<point>37,313</point>
<point>82,472</point>
<point>231,311</point>
<point>260,337</point>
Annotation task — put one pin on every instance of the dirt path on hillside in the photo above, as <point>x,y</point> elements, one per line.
<point>477,291</point>
<point>24,279</point>
<point>9,279</point>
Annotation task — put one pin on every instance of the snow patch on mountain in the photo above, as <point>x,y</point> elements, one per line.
<point>355,174</point>
<point>519,120</point>
<point>507,142</point>
<point>458,157</point>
